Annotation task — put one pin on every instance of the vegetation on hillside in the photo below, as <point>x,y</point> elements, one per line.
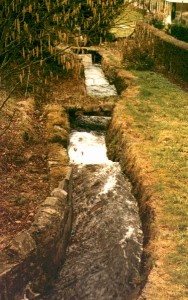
<point>32,30</point>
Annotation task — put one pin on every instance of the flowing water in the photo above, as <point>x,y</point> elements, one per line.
<point>95,81</point>
<point>104,255</point>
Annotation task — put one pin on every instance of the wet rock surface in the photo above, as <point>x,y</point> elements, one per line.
<point>92,122</point>
<point>103,258</point>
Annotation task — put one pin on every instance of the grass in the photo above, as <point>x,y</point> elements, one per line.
<point>157,125</point>
<point>124,23</point>
<point>160,117</point>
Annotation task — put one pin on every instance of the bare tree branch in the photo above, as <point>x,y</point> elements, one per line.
<point>6,99</point>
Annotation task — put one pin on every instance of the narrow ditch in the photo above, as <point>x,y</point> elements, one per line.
<point>96,83</point>
<point>104,256</point>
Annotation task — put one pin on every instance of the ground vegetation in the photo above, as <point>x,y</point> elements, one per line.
<point>148,135</point>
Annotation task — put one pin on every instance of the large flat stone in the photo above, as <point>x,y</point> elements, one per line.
<point>22,245</point>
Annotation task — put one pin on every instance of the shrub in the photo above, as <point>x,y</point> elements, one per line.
<point>179,31</point>
<point>138,58</point>
<point>157,23</point>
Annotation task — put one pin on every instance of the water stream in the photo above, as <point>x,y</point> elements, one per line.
<point>95,81</point>
<point>104,255</point>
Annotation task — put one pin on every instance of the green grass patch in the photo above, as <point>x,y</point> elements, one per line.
<point>160,119</point>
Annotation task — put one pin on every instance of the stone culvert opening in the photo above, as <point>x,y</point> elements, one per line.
<point>96,56</point>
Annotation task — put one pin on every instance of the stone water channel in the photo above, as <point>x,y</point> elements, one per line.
<point>104,255</point>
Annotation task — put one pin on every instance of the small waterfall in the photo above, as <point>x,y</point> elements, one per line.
<point>88,147</point>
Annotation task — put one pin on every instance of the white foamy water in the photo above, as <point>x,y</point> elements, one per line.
<point>109,172</point>
<point>90,148</point>
<point>109,184</point>
<point>87,148</point>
